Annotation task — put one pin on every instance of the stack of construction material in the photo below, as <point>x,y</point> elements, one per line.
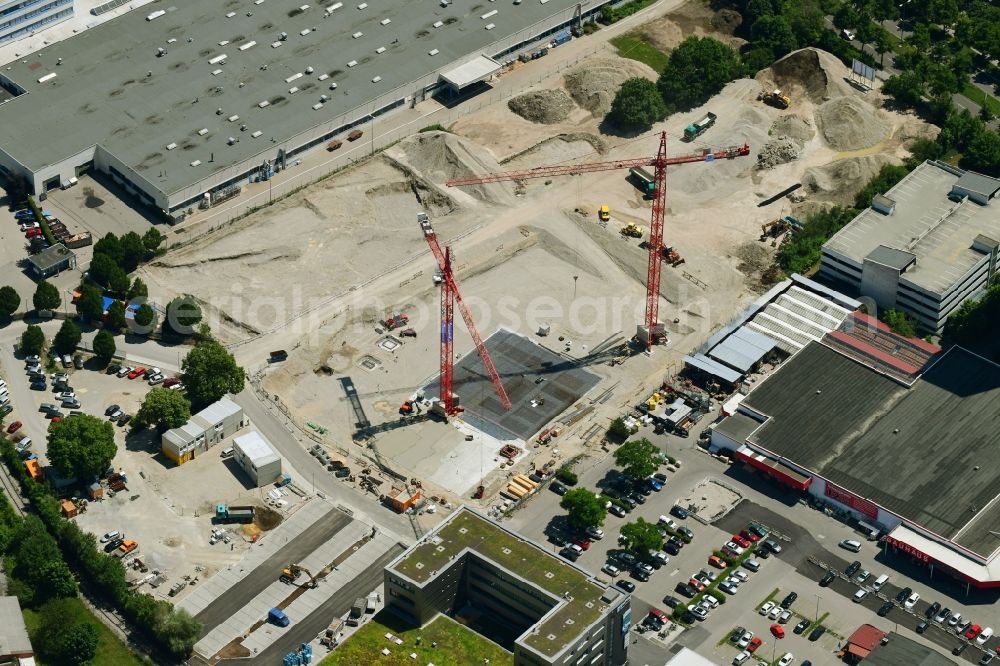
<point>521,486</point>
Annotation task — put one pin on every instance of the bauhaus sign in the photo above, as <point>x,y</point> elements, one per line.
<point>835,492</point>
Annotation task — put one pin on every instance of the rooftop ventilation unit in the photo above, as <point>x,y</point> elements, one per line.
<point>433,52</point>
<point>171,146</point>
<point>293,90</point>
<point>275,45</point>
<point>317,106</point>
<point>310,70</point>
<point>385,21</point>
<point>490,26</point>
<point>155,15</point>
<point>322,77</point>
<point>303,33</point>
<point>256,134</point>
<point>489,14</point>
<point>264,104</point>
<point>202,132</point>
<point>438,24</point>
<point>218,59</point>
<point>233,118</point>
<point>363,5</point>
<point>47,77</point>
<point>291,78</point>
<point>303,8</point>
<point>195,163</point>
<point>333,86</point>
<point>248,45</point>
<point>230,14</point>
<point>357,34</point>
<point>332,8</point>
<point>223,42</point>
<point>171,40</point>
<point>216,72</point>
<point>324,98</point>
<point>231,141</point>
<point>352,63</point>
<point>376,79</point>
<point>258,2</point>
<point>380,49</point>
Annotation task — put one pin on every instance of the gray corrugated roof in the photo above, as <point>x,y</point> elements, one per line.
<point>713,368</point>
<point>737,427</point>
<point>978,183</point>
<point>219,410</point>
<point>902,651</point>
<point>891,257</point>
<point>743,349</point>
<point>50,257</point>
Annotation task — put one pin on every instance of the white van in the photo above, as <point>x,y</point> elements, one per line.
<point>226,453</point>
<point>879,582</point>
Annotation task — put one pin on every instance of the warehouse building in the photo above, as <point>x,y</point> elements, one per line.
<point>20,18</point>
<point>51,261</point>
<point>896,432</point>
<point>199,98</point>
<point>542,608</point>
<point>207,428</point>
<point>924,247</point>
<point>257,458</point>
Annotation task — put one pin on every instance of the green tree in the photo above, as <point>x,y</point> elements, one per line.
<point>61,638</point>
<point>637,105</point>
<point>900,323</point>
<point>801,252</point>
<point>112,247</point>
<point>183,314</point>
<point>697,69</point>
<point>210,372</point>
<point>90,304</point>
<point>32,340</point>
<point>807,22</point>
<point>755,9</point>
<point>641,538</point>
<point>774,33</point>
<point>102,268</point>
<point>176,629</point>
<point>39,564</point>
<point>46,296</point>
<point>152,239</point>
<point>983,153</point>
<point>942,12</point>
<point>9,301</point>
<point>118,283</point>
<point>906,87</point>
<point>584,508</point>
<point>137,290</point>
<point>145,319</point>
<point>164,409</point>
<point>115,319</point>
<point>81,447</point>
<point>638,458</point>
<point>105,347</point>
<point>133,250</point>
<point>973,325</point>
<point>67,338</point>
<point>618,431</point>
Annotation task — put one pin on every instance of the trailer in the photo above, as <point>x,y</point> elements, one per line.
<point>644,180</point>
<point>698,128</point>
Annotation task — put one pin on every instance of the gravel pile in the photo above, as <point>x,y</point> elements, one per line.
<point>777,151</point>
<point>543,106</point>
<point>809,74</point>
<point>840,181</point>
<point>794,127</point>
<point>847,123</point>
<point>594,85</point>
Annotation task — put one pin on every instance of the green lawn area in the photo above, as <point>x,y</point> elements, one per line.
<point>456,645</point>
<point>976,95</point>
<point>635,47</point>
<point>110,650</point>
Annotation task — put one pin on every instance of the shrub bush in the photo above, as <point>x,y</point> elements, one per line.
<point>567,476</point>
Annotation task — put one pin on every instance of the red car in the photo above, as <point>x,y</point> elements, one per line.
<point>584,544</point>
<point>136,372</point>
<point>754,644</point>
<point>31,233</point>
<point>14,427</point>
<point>973,631</point>
<point>740,541</point>
<point>778,631</point>
<point>170,381</point>
<point>747,534</point>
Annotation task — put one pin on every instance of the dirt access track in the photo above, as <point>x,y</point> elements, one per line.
<point>314,273</point>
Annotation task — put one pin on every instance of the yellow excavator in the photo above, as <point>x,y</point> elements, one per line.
<point>292,572</point>
<point>633,230</point>
<point>776,99</point>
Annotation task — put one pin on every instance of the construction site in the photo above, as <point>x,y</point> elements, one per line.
<point>342,275</point>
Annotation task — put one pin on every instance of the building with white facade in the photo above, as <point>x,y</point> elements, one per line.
<point>20,18</point>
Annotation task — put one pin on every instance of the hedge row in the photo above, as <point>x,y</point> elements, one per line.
<point>42,222</point>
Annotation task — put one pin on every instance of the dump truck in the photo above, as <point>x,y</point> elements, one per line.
<point>696,129</point>
<point>79,240</point>
<point>604,213</point>
<point>357,610</point>
<point>775,98</point>
<point>633,230</point>
<point>277,617</point>
<point>127,547</point>
<point>644,180</point>
<point>234,514</point>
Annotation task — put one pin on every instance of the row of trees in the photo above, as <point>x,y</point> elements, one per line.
<point>114,258</point>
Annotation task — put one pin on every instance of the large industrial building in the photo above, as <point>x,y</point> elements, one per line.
<point>893,430</point>
<point>207,428</point>
<point>20,18</point>
<point>924,247</point>
<point>542,608</point>
<point>176,101</point>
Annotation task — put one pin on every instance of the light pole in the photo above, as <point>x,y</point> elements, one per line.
<point>817,609</point>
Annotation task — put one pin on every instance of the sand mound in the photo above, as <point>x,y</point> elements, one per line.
<point>794,127</point>
<point>726,21</point>
<point>558,149</point>
<point>841,181</point>
<point>593,86</point>
<point>809,73</point>
<point>847,123</point>
<point>436,157</point>
<point>777,151</point>
<point>543,106</point>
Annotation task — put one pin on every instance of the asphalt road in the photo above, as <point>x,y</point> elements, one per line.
<point>336,606</point>
<point>268,572</point>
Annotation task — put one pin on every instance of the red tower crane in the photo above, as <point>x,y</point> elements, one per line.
<point>449,295</point>
<point>660,163</point>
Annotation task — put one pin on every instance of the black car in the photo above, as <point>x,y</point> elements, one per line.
<point>802,626</point>
<point>679,512</point>
<point>569,554</point>
<point>671,601</point>
<point>557,488</point>
<point>124,420</point>
<point>636,497</point>
<point>626,558</point>
<point>38,386</point>
<point>817,632</point>
<point>922,627</point>
<point>903,594</point>
<point>78,362</point>
<point>114,543</point>
<point>685,589</point>
<point>671,548</point>
<point>884,609</point>
<point>640,574</point>
<point>6,409</point>
<point>827,579</point>
<point>686,532</point>
<point>626,585</point>
<point>342,472</point>
<point>644,488</point>
<point>112,369</point>
<point>677,542</point>
<point>662,478</point>
<point>629,501</point>
<point>111,410</point>
<point>960,648</point>
<point>852,569</point>
<point>737,633</point>
<point>787,602</point>
<point>932,609</point>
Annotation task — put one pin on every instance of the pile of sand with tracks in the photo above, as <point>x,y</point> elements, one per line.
<point>543,106</point>
<point>436,157</point>
<point>847,123</point>
<point>794,127</point>
<point>807,73</point>
<point>777,151</point>
<point>840,181</point>
<point>594,85</point>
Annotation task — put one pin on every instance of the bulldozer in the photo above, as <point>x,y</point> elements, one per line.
<point>773,229</point>
<point>292,572</point>
<point>633,230</point>
<point>775,98</point>
<point>672,256</point>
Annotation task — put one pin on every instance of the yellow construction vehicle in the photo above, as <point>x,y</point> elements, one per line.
<point>773,229</point>
<point>292,572</point>
<point>775,98</point>
<point>603,214</point>
<point>633,230</point>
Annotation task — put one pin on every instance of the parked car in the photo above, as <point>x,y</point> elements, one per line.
<point>717,562</point>
<point>827,579</point>
<point>136,372</point>
<point>113,544</point>
<point>170,381</point>
<point>778,631</point>
<point>626,585</point>
<point>14,427</point>
<point>124,371</point>
<point>911,601</point>
<point>737,539</point>
<point>123,420</point>
<point>611,569</point>
<point>685,532</point>
<point>816,633</point>
<point>943,615</point>
<point>156,379</point>
<point>751,565</point>
<point>78,362</point>
<point>755,643</point>
<point>38,386</point>
<point>787,659</point>
<point>851,545</point>
<point>67,360</point>
<point>72,403</point>
<point>728,587</point>
<point>671,601</point>
<point>860,595</point>
<point>932,609</point>
<point>558,488</point>
<point>54,415</point>
<point>772,546</point>
<point>582,542</point>
<point>744,639</point>
<point>984,635</point>
<point>749,536</point>
<point>685,589</point>
<point>662,478</point>
<point>112,369</point>
<point>987,658</point>
<point>766,608</point>
<point>972,632</point>
<point>640,574</point>
<point>852,568</point>
<point>884,609</point>
<point>342,472</point>
<point>862,576</point>
<point>802,626</point>
<point>903,594</point>
<point>789,600</point>
<point>700,612</point>
<point>922,626</point>
<point>614,510</point>
<point>679,512</point>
